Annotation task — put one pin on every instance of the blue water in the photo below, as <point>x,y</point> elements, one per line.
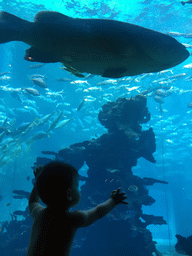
<point>172,125</point>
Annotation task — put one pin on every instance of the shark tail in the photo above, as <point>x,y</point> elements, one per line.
<point>183,3</point>
<point>12,28</point>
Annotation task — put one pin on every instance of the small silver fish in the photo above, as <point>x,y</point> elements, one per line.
<point>44,119</point>
<point>55,121</point>
<point>63,123</point>
<point>32,91</point>
<point>38,75</point>
<point>21,128</point>
<point>4,73</point>
<point>188,65</point>
<point>81,104</point>
<point>159,99</point>
<point>175,34</point>
<point>39,82</point>
<point>38,136</point>
<point>37,65</point>
<point>63,80</point>
<point>163,93</point>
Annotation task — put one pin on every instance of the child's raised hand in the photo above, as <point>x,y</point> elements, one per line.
<point>37,170</point>
<point>118,197</point>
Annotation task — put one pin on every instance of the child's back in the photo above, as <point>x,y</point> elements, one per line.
<point>52,233</point>
<point>54,226</point>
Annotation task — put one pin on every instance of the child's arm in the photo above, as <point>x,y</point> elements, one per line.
<point>34,205</point>
<point>86,218</point>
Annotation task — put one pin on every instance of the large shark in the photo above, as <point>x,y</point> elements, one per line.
<point>103,47</point>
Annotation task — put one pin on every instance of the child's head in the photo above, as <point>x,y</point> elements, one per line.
<point>58,183</point>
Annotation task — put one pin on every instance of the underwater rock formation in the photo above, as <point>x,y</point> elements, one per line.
<point>110,159</point>
<point>184,245</point>
<point>14,236</point>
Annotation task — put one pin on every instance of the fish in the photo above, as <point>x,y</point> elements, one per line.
<point>63,80</point>
<point>163,93</point>
<point>4,80</point>
<point>188,78</point>
<point>21,192</point>
<point>187,35</point>
<point>39,65</point>
<point>107,82</point>
<point>38,76</point>
<point>4,129</point>
<point>5,73</point>
<point>55,94</point>
<point>21,128</point>
<point>81,105</point>
<point>63,123</point>
<point>90,98</point>
<point>133,188</point>
<point>177,76</point>
<point>186,2</point>
<point>151,181</point>
<point>80,82</point>
<point>22,110</point>
<point>187,45</point>
<point>4,122</point>
<point>188,66</point>
<point>112,170</point>
<point>15,94</point>
<point>38,136</point>
<point>94,88</point>
<point>115,50</point>
<point>32,91</point>
<point>32,110</point>
<point>30,127</point>
<point>39,82</point>
<point>18,197</point>
<point>44,119</point>
<point>175,34</point>
<point>22,213</point>
<point>63,104</point>
<point>2,135</point>
<point>170,78</point>
<point>55,122</point>
<point>159,99</point>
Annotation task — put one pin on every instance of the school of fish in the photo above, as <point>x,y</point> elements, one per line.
<point>77,112</point>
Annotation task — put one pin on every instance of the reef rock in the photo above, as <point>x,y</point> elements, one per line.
<point>110,158</point>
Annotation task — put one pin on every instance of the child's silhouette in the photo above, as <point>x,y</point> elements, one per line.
<point>54,226</point>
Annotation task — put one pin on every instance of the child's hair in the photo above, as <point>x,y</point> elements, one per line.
<point>53,181</point>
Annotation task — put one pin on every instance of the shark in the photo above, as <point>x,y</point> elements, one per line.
<point>108,48</point>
